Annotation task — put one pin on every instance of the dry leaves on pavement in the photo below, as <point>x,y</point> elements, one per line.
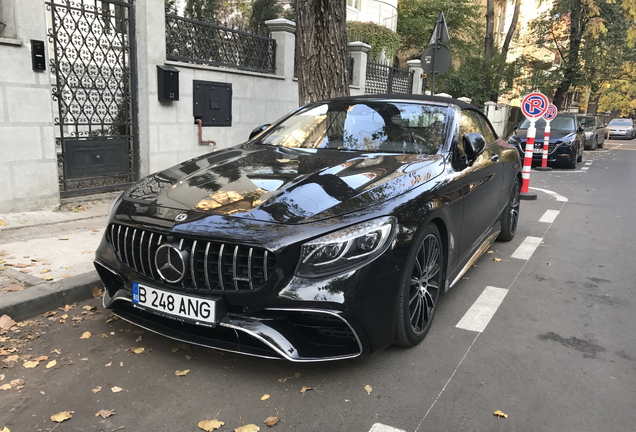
<point>138,350</point>
<point>97,389</point>
<point>181,372</point>
<point>306,389</point>
<point>104,413</point>
<point>368,388</point>
<point>30,364</point>
<point>116,389</point>
<point>271,421</point>
<point>500,414</point>
<point>210,425</point>
<point>50,364</point>
<point>61,416</point>
<point>85,335</point>
<point>97,293</point>
<point>265,397</point>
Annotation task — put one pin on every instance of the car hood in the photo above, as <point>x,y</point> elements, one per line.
<point>556,135</point>
<point>619,127</point>
<point>284,185</point>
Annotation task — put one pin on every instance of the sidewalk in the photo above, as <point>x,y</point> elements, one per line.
<point>46,258</point>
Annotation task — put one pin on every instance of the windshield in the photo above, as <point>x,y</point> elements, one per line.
<point>621,122</point>
<point>587,121</point>
<point>559,123</point>
<point>370,126</point>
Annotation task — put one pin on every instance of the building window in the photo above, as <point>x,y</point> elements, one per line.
<point>7,19</point>
<point>354,4</point>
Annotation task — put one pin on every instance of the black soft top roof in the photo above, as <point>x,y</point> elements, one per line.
<point>410,97</point>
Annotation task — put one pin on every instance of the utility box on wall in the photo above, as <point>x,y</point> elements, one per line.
<point>168,83</point>
<point>213,103</point>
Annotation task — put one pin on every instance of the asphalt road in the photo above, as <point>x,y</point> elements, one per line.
<point>558,354</point>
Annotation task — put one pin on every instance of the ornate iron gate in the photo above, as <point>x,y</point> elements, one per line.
<point>94,62</point>
<point>384,78</point>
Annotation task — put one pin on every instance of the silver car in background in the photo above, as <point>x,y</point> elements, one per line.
<point>621,128</point>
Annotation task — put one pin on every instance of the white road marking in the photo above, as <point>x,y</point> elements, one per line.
<point>558,197</point>
<point>379,427</point>
<point>480,313</point>
<point>527,248</point>
<point>585,168</point>
<point>549,216</point>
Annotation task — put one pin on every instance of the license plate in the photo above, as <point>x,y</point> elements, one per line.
<point>201,311</point>
<point>538,151</point>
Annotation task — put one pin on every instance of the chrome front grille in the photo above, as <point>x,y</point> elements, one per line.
<point>211,267</point>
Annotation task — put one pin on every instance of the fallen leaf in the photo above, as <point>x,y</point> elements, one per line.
<point>3,223</point>
<point>271,421</point>
<point>97,389</point>
<point>50,314</point>
<point>491,252</point>
<point>265,397</point>
<point>47,278</point>
<point>5,386</point>
<point>1,377</point>
<point>6,322</point>
<point>6,351</point>
<point>368,388</point>
<point>61,416</point>
<point>45,271</point>
<point>64,238</point>
<point>104,413</point>
<point>2,268</point>
<point>36,259</point>
<point>5,429</point>
<point>86,252</point>
<point>66,308</point>
<point>306,389</point>
<point>50,364</point>
<point>11,359</point>
<point>496,259</point>
<point>500,414</point>
<point>76,318</point>
<point>85,335</point>
<point>25,271</point>
<point>89,308</point>
<point>181,372</point>
<point>138,350</point>
<point>103,335</point>
<point>116,389</point>
<point>41,358</point>
<point>97,293</point>
<point>16,382</point>
<point>210,425</point>
<point>247,428</point>
<point>30,364</point>
<point>282,380</point>
<point>109,364</point>
<point>64,316</point>
<point>22,265</point>
<point>111,319</point>
<point>188,357</point>
<point>14,288</point>
<point>56,351</point>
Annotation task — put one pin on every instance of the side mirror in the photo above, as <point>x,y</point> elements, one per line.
<point>474,145</point>
<point>258,130</point>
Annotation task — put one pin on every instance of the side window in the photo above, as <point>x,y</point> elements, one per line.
<point>472,121</point>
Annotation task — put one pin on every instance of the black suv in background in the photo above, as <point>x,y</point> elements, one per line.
<point>594,131</point>
<point>567,139</point>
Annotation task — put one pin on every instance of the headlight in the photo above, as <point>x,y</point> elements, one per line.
<point>588,134</point>
<point>567,143</point>
<point>116,201</point>
<point>345,249</point>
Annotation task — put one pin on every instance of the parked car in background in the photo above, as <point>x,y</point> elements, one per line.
<point>594,131</point>
<point>329,234</point>
<point>621,128</point>
<point>567,140</point>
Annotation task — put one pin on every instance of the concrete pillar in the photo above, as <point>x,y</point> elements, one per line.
<point>416,67</point>
<point>359,52</point>
<point>284,33</point>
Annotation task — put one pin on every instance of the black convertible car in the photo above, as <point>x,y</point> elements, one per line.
<point>327,235</point>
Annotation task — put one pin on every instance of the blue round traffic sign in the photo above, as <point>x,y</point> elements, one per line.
<point>550,113</point>
<point>534,104</point>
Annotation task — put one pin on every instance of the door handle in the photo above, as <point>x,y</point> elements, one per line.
<point>494,158</point>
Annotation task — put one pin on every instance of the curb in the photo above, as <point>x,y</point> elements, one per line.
<point>44,296</point>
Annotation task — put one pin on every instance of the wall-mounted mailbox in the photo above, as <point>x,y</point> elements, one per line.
<point>37,55</point>
<point>168,83</point>
<point>213,103</point>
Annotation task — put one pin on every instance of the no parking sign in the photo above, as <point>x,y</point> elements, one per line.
<point>533,106</point>
<point>548,116</point>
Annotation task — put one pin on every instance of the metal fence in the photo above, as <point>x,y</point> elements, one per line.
<point>194,41</point>
<point>382,78</point>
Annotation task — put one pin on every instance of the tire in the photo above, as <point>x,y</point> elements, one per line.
<point>602,143</point>
<point>595,144</point>
<point>571,163</point>
<point>580,157</point>
<point>510,217</point>
<point>420,288</point>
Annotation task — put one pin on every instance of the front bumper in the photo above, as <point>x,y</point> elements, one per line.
<point>301,320</point>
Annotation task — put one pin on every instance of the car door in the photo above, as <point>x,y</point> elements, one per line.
<point>482,184</point>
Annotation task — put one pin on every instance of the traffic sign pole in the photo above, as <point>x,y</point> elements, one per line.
<point>548,116</point>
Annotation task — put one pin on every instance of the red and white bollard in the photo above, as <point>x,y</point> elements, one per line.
<point>527,161</point>
<point>550,113</point>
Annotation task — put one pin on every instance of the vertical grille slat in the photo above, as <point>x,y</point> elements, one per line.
<point>214,266</point>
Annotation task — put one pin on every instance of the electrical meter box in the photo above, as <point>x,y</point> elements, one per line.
<point>213,103</point>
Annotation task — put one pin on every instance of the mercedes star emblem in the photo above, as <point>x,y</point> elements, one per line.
<point>181,217</point>
<point>171,263</point>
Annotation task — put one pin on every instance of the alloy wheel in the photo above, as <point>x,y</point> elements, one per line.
<point>425,284</point>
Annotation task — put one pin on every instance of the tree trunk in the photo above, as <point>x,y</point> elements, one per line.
<point>322,50</point>
<point>489,41</point>
<point>578,21</point>
<point>504,51</point>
